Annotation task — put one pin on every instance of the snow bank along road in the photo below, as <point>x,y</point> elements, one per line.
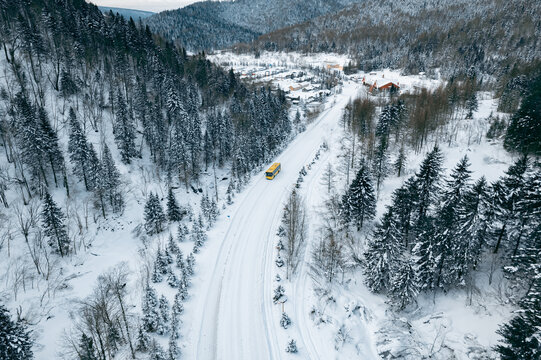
<point>233,315</point>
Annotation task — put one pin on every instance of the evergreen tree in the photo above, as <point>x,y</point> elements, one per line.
<point>380,163</point>
<point>143,340</point>
<point>30,138</point>
<point>173,210</point>
<point>156,352</point>
<point>124,130</point>
<point>285,321</point>
<point>150,310</point>
<point>86,349</point>
<point>400,162</point>
<point>154,216</point>
<point>359,203</point>
<point>79,151</point>
<point>173,351</point>
<point>404,200</point>
<point>164,316</point>
<point>182,230</point>
<point>175,324</point>
<point>15,342</point>
<point>448,223</point>
<point>507,193</point>
<point>382,254</point>
<point>291,346</point>
<point>428,179</point>
<point>108,183</point>
<point>198,236</point>
<point>471,105</point>
<point>190,264</point>
<point>521,336</point>
<point>51,145</point>
<point>173,281</point>
<point>474,216</point>
<point>404,284</point>
<point>524,131</point>
<point>53,225</point>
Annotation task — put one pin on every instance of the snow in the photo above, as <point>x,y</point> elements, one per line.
<point>230,313</point>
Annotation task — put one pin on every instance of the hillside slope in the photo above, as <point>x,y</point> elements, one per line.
<point>420,35</point>
<point>212,25</point>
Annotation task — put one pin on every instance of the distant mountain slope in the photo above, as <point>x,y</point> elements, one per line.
<point>211,25</point>
<point>421,34</point>
<point>127,13</point>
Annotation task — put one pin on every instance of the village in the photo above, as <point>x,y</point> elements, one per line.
<point>308,79</point>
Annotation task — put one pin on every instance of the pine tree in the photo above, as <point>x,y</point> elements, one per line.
<point>182,230</point>
<point>154,216</point>
<point>404,284</point>
<point>175,324</point>
<point>190,264</point>
<point>278,293</point>
<point>448,225</point>
<point>51,145</point>
<point>521,336</point>
<point>173,351</point>
<point>359,203</point>
<point>524,131</point>
<point>164,316</point>
<point>428,179</point>
<point>507,193</point>
<point>124,130</point>
<point>86,349</point>
<point>143,340</point>
<point>380,163</point>
<point>400,162</point>
<point>79,151</point>
<point>471,105</point>
<point>15,342</point>
<point>474,216</point>
<point>173,281</point>
<point>404,200</point>
<point>53,225</point>
<point>108,183</point>
<point>291,346</point>
<point>30,138</point>
<point>173,210</point>
<point>156,352</point>
<point>150,310</point>
<point>285,321</point>
<point>382,254</point>
<point>198,236</point>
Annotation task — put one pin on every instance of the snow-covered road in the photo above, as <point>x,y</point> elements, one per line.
<point>234,316</point>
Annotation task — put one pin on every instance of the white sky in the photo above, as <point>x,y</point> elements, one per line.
<point>148,5</point>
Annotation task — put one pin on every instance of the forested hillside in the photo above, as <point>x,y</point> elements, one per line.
<point>98,118</point>
<point>211,25</point>
<point>493,36</point>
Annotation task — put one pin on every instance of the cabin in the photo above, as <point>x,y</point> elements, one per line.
<point>380,84</point>
<point>335,67</point>
<point>295,88</point>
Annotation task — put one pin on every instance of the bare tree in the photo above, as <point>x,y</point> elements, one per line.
<point>27,217</point>
<point>292,231</point>
<point>116,281</point>
<point>104,316</point>
<point>328,177</point>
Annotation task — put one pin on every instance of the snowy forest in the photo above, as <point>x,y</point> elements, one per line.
<point>87,99</point>
<point>136,222</point>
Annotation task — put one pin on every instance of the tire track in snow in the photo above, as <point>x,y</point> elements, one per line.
<point>235,322</point>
